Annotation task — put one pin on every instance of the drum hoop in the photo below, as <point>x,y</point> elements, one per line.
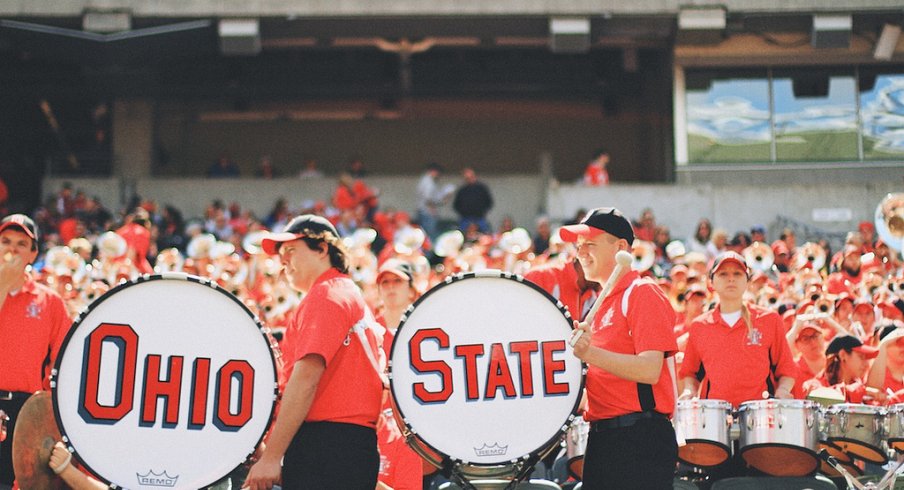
<point>855,408</point>
<point>776,403</point>
<point>119,287</point>
<point>447,460</point>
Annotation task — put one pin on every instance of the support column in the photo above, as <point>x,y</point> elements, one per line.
<point>133,135</point>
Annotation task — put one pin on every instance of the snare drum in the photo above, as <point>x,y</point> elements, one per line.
<point>165,381</point>
<point>856,429</point>
<point>706,426</point>
<point>576,446</point>
<point>894,427</point>
<point>483,377</point>
<point>780,437</point>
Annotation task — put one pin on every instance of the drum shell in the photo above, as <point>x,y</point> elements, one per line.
<point>857,429</point>
<point>704,423</point>
<point>894,426</point>
<point>774,430</point>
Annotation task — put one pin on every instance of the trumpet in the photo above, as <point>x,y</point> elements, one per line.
<point>810,255</point>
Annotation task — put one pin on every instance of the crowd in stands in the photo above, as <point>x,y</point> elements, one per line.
<point>821,294</point>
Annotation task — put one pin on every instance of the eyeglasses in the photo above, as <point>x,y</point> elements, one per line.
<point>809,338</point>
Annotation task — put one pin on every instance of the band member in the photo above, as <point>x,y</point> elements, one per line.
<point>734,338</point>
<point>400,467</point>
<point>324,435</point>
<point>630,390</point>
<point>33,324</point>
<point>566,283</point>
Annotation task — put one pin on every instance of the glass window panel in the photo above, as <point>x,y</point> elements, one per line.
<point>815,115</point>
<point>728,116</point>
<point>882,114</point>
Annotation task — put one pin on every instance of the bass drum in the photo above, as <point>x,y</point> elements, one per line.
<point>165,381</point>
<point>482,375</point>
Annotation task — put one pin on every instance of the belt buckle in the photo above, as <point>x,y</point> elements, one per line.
<point>6,395</point>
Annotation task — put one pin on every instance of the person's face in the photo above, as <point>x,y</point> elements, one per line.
<point>597,255</point>
<point>19,245</point>
<point>693,306</point>
<point>865,316</point>
<point>730,281</point>
<point>811,343</point>
<point>301,263</point>
<point>855,363</point>
<point>395,291</point>
<point>895,352</point>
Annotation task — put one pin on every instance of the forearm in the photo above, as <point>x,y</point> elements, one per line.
<point>785,383</point>
<point>689,386</point>
<point>645,367</point>
<point>294,407</point>
<point>76,480</point>
<point>876,376</point>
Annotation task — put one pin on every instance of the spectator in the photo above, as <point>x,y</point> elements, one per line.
<point>137,234</point>
<point>758,234</point>
<point>542,235</point>
<point>224,167</point>
<point>265,168</point>
<point>596,174</point>
<point>702,234</point>
<point>645,227</point>
<point>717,244</point>
<point>310,170</point>
<point>429,199</point>
<point>472,202</point>
<point>356,168</point>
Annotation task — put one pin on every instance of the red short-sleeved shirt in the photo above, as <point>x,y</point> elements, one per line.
<point>561,282</point>
<point>33,325</point>
<point>804,374</point>
<point>737,367</point>
<point>400,467</point>
<point>350,390</point>
<point>138,238</point>
<point>648,327</point>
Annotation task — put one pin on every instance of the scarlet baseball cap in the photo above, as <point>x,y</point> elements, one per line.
<point>599,220</point>
<point>729,257</point>
<point>851,344</point>
<point>396,267</point>
<point>22,222</point>
<point>304,225</point>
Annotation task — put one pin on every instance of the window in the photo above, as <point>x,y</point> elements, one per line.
<point>882,115</point>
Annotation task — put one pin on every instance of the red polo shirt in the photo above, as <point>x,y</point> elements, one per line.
<point>561,282</point>
<point>736,367</point>
<point>33,324</point>
<point>647,325</point>
<point>350,390</point>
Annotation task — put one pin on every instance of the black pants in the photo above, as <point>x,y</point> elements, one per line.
<point>330,455</point>
<point>642,456</point>
<point>11,407</point>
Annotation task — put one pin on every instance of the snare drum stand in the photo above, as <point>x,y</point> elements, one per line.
<point>887,481</point>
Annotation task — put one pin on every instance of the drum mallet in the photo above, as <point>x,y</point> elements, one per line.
<point>623,261</point>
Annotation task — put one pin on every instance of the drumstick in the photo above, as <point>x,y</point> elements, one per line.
<point>623,260</point>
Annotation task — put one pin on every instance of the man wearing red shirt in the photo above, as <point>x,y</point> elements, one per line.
<point>626,345</point>
<point>33,324</point>
<point>848,277</point>
<point>137,235</point>
<point>737,338</point>
<point>324,435</point>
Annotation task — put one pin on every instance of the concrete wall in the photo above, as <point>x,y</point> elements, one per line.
<point>176,8</point>
<point>733,206</point>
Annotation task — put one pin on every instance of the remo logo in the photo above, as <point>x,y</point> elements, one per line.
<point>157,372</point>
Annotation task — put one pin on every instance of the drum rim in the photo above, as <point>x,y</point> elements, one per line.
<point>856,408</point>
<point>704,403</point>
<point>178,276</point>
<point>777,402</point>
<point>448,460</point>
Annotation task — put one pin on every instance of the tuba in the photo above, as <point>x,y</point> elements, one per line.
<point>759,256</point>
<point>449,244</point>
<point>889,221</point>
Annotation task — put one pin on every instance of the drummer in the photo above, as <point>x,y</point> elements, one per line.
<point>737,350</point>
<point>626,344</point>
<point>324,435</point>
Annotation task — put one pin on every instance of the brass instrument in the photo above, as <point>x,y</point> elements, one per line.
<point>759,256</point>
<point>810,255</point>
<point>449,244</point>
<point>643,255</point>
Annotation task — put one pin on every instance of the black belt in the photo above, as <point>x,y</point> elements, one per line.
<point>13,395</point>
<point>622,421</point>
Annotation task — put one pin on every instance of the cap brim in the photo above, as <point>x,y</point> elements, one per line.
<point>394,272</point>
<point>867,350</point>
<point>13,224</point>
<point>571,233</point>
<point>270,244</point>
<point>729,260</point>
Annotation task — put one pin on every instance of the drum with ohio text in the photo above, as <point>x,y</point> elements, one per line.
<point>482,375</point>
<point>166,381</point>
